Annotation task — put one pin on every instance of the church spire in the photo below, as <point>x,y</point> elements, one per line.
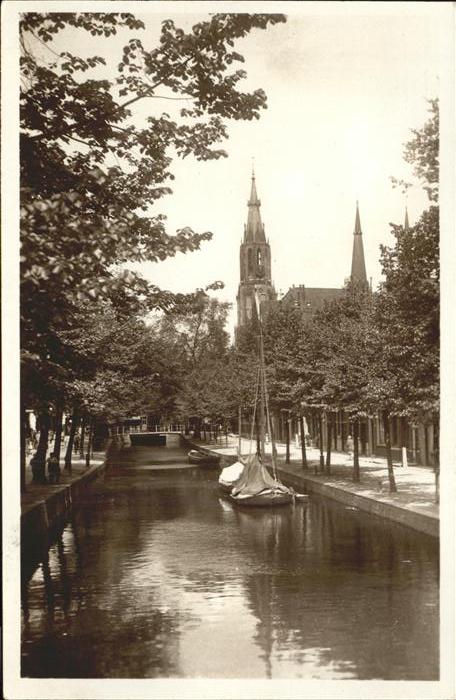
<point>357,220</point>
<point>254,230</point>
<point>358,268</point>
<point>406,221</point>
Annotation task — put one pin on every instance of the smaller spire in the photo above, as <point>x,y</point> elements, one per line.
<point>357,220</point>
<point>406,221</point>
<point>358,269</point>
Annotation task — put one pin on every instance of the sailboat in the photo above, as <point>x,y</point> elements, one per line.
<point>255,486</point>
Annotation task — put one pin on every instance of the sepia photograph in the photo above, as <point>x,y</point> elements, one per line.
<point>228,273</point>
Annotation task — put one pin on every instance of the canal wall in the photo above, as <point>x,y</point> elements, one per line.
<point>45,510</point>
<point>398,513</point>
<point>370,503</point>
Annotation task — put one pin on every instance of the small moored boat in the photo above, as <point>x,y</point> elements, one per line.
<point>202,459</point>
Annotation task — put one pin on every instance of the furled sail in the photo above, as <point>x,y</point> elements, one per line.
<point>255,479</point>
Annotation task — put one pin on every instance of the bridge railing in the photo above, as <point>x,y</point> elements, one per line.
<point>166,428</point>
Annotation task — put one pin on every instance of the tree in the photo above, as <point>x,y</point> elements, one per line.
<point>90,172</point>
<point>198,331</point>
<point>287,353</point>
<point>198,323</point>
<point>408,312</point>
<point>422,152</point>
<point>406,377</point>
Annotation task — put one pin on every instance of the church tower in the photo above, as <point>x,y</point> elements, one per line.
<point>255,264</point>
<point>358,268</point>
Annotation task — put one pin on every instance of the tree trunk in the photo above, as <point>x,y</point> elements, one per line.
<point>389,456</point>
<point>83,429</point>
<point>38,461</point>
<point>343,437</point>
<point>303,442</point>
<point>314,430</point>
<point>69,450</point>
<point>287,438</point>
<point>320,441</point>
<point>356,475</point>
<point>58,433</point>
<point>328,446</point>
<point>89,441</point>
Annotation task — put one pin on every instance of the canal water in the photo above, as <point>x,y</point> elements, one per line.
<point>157,575</point>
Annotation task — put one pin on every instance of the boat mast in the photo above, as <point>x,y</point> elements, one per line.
<point>240,431</point>
<point>265,404</point>
<point>262,401</point>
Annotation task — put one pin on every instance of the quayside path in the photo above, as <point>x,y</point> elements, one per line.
<point>36,493</point>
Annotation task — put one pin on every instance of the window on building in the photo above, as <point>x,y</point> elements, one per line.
<point>248,306</point>
<point>250,261</point>
<point>260,266</point>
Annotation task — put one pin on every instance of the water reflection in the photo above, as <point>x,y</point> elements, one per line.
<point>159,576</point>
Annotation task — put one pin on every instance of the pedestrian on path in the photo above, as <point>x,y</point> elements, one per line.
<point>350,445</point>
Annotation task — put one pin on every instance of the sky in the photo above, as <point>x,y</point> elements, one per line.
<point>345,83</point>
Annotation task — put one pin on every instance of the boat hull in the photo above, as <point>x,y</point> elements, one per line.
<point>276,498</point>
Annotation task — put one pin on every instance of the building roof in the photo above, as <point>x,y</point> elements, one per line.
<point>310,299</point>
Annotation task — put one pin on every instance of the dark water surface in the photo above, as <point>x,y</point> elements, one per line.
<point>156,575</point>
